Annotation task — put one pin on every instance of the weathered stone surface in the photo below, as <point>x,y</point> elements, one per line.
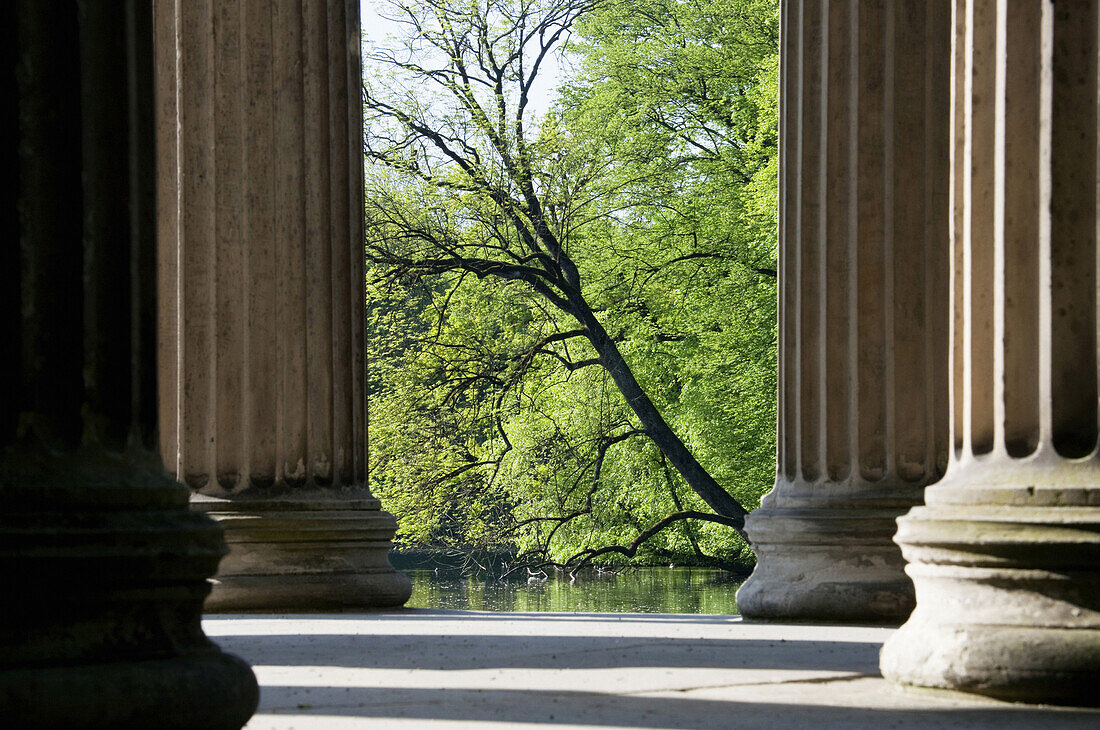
<point>305,551</point>
<point>262,315</point>
<point>826,564</point>
<point>105,565</point>
<point>104,631</point>
<point>862,307</point>
<point>1006,553</point>
<point>1008,593</point>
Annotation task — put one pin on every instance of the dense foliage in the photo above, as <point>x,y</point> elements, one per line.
<point>644,204</point>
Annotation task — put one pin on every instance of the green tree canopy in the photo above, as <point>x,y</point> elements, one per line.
<point>573,315</point>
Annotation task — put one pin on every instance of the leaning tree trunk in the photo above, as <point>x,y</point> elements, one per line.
<point>698,478</point>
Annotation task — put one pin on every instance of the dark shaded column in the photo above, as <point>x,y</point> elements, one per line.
<point>107,567</point>
<point>262,316</point>
<point>1006,553</point>
<point>863,306</point>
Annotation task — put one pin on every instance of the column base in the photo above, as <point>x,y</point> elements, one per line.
<point>828,558</point>
<point>1015,663</point>
<point>1008,596</point>
<point>319,551</point>
<point>103,629</point>
<point>210,690</point>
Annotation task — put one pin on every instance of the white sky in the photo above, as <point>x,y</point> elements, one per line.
<point>376,28</point>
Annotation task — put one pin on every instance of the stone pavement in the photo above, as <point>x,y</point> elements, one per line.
<point>433,669</point>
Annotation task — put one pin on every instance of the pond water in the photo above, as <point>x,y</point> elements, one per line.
<point>635,590</point>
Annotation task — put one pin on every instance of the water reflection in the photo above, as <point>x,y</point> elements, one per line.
<point>640,590</point>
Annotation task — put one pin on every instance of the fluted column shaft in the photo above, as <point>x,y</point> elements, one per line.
<point>107,565</point>
<point>263,316</point>
<point>1006,554</point>
<point>863,313</point>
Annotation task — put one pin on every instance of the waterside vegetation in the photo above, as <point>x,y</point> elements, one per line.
<point>572,312</point>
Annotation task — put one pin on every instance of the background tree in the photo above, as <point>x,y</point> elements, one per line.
<point>574,306</point>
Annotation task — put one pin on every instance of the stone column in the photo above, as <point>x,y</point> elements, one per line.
<point>260,180</point>
<point>1006,553</point>
<point>106,568</point>
<point>862,306</point>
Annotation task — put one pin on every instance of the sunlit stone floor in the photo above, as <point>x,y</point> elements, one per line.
<point>465,669</point>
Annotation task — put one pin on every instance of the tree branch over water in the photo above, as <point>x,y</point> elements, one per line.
<point>468,188</point>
